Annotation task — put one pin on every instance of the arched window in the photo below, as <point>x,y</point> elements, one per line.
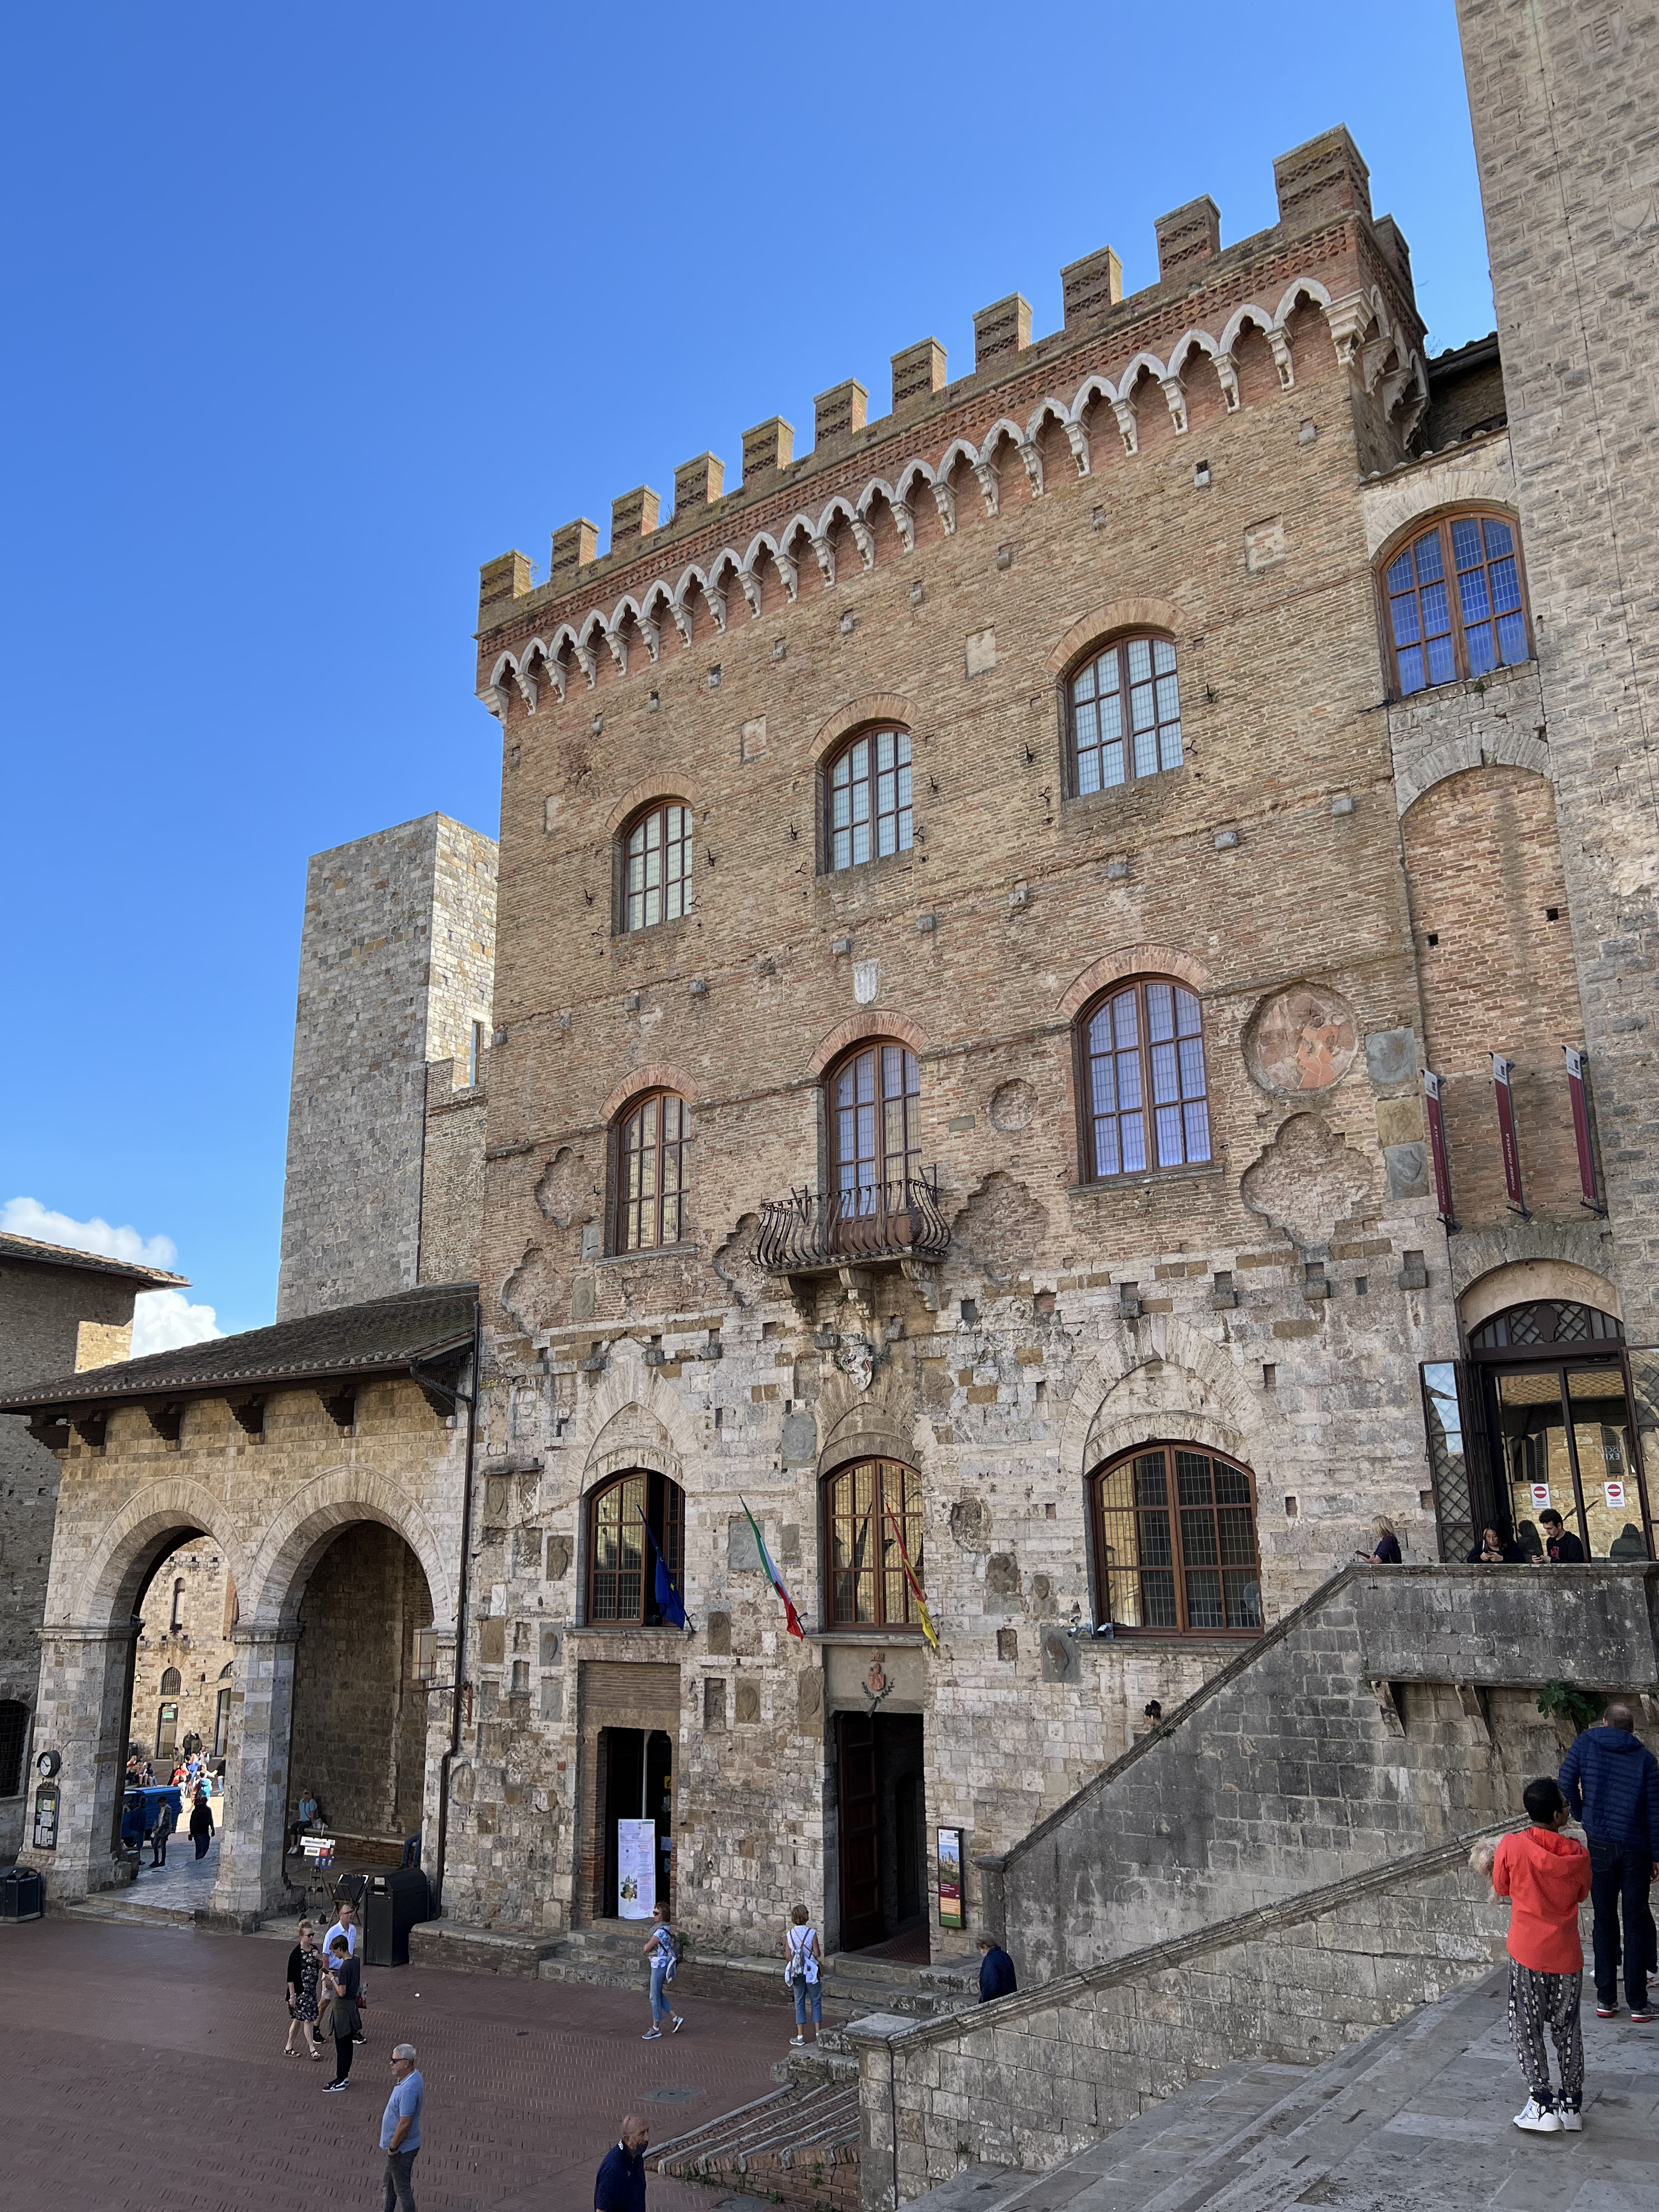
<point>653,1141</point>
<point>868,1507</point>
<point>176,1623</point>
<point>875,1123</point>
<point>1124,712</point>
<point>171,1682</point>
<point>1457,603</point>
<point>14,1735</point>
<point>622,1559</point>
<point>1145,1091</point>
<point>867,793</point>
<point>657,866</point>
<point>1175,1542</point>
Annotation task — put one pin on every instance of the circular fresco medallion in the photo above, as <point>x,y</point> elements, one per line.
<point>1303,1039</point>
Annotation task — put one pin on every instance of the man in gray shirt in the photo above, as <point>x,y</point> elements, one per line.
<point>401,2130</point>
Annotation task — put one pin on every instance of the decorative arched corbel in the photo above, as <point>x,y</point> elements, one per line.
<point>1349,319</point>
<point>1077,438</point>
<point>590,661</point>
<point>682,615</point>
<point>618,645</point>
<point>1226,371</point>
<point>560,673</point>
<point>946,501</point>
<point>751,589</point>
<point>528,690</point>
<point>864,537</point>
<point>790,574</point>
<point>1033,460</point>
<point>1175,397</point>
<point>826,553</point>
<point>905,523</point>
<point>989,490</point>
<point>652,633</point>
<point>716,599</point>
<point>1128,425</point>
<point>1283,360</point>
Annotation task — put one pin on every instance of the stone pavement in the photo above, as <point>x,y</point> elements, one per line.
<point>145,2068</point>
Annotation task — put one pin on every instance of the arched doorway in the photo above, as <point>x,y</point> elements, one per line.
<point>358,1738</point>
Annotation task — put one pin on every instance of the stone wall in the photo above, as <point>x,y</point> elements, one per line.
<point>1560,100</point>
<point>452,1171</point>
<point>1395,1712</point>
<point>396,964</point>
<point>360,1720</point>
<point>1029,2081</point>
<point>201,1648</point>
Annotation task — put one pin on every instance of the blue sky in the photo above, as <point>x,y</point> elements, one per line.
<point>313,310</point>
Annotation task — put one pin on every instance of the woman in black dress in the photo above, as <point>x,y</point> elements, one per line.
<point>304,1964</point>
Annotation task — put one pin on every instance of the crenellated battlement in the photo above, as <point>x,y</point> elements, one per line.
<point>1052,409</point>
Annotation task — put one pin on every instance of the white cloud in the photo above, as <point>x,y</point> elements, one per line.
<point>27,1217</point>
<point>164,1321</point>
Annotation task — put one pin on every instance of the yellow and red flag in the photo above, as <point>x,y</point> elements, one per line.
<point>916,1590</point>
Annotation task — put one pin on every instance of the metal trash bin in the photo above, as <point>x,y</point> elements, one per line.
<point>392,1904</point>
<point>23,1896</point>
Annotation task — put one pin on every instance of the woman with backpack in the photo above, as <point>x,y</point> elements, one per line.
<point>803,1961</point>
<point>664,1952</point>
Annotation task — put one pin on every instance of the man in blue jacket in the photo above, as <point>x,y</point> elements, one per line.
<point>996,1972</point>
<point>1611,1782</point>
<point>619,2185</point>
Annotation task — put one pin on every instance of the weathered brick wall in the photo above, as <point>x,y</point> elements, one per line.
<point>360,1721</point>
<point>201,1648</point>
<point>1560,102</point>
<point>1302,1767</point>
<point>1033,2079</point>
<point>396,963</point>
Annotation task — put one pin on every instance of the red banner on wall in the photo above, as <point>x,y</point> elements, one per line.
<point>1580,1130</point>
<point>1437,1152</point>
<point>1502,1070</point>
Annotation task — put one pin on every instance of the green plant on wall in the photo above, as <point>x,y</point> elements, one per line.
<point>1565,1701</point>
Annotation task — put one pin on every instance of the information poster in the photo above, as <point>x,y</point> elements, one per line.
<point>636,1870</point>
<point>950,1877</point>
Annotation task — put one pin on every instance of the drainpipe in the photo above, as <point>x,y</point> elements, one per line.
<point>443,1764</point>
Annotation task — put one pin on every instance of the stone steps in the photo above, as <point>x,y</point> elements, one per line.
<point>800,2145</point>
<point>134,1913</point>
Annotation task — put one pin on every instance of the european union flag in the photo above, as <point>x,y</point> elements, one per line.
<point>668,1598</point>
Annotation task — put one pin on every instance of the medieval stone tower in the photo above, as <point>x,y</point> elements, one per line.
<point>397,966</point>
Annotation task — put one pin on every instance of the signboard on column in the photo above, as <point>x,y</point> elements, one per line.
<point>1437,1152</point>
<point>1502,1070</point>
<point>636,1870</point>
<point>1587,1192</point>
<point>950,1877</point>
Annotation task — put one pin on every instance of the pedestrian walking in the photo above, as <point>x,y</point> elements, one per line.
<point>305,1967</point>
<point>201,1823</point>
<point>662,1949</point>
<point>344,1980</point>
<point>1547,1877</point>
<point>160,1830</point>
<point>996,1972</point>
<point>1611,1782</point>
<point>401,2130</point>
<point>619,2184</point>
<point>803,1971</point>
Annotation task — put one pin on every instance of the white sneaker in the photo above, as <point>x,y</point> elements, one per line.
<point>1571,2119</point>
<point>1538,2119</point>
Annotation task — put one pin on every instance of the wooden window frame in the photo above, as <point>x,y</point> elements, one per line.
<point>1084,1059</point>
<point>909,1102</point>
<point>1404,541</point>
<point>901,813</point>
<point>626,927</point>
<point>1120,645</point>
<point>1178,1566</point>
<point>621,1205</point>
<point>888,1578</point>
<point>663,1502</point>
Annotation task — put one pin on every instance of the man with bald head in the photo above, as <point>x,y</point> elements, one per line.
<point>1610,1780</point>
<point>620,2184</point>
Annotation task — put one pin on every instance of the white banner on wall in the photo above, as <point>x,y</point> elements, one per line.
<point>636,1870</point>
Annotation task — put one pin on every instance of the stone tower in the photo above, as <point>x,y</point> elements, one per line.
<point>1562,101</point>
<point>397,963</point>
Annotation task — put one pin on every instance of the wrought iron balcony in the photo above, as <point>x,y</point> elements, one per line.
<point>812,1231</point>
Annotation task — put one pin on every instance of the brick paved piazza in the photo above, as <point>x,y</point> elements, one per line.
<point>145,2068</point>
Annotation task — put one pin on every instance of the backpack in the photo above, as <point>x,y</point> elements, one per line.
<point>671,1947</point>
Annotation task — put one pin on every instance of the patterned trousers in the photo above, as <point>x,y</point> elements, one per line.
<point>1541,2001</point>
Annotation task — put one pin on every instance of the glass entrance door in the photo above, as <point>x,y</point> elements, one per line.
<point>1563,1435</point>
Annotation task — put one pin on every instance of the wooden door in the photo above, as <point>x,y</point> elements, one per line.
<point>861,1921</point>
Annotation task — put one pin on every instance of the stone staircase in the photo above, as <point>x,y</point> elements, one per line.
<point>133,1911</point>
<point>610,1953</point>
<point>1417,2118</point>
<point>800,2146</point>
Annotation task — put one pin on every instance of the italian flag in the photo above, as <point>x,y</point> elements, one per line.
<point>791,1617</point>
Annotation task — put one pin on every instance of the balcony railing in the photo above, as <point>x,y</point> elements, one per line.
<point>839,1228</point>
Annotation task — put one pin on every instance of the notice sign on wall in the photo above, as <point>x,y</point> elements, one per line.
<point>950,1877</point>
<point>45,1817</point>
<point>636,1870</point>
<point>1541,1496</point>
<point>1615,1496</point>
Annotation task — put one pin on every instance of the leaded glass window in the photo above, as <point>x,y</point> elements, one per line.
<point>875,1118</point>
<point>1174,1528</point>
<point>1125,715</point>
<point>657,855</point>
<point>867,1508</point>
<point>1456,605</point>
<point>621,1564</point>
<point>652,1164</point>
<point>1147,1102</point>
<point>869,794</point>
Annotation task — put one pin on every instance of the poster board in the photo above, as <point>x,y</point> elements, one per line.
<point>950,1877</point>
<point>636,1870</point>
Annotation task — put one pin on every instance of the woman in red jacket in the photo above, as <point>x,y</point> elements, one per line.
<point>1545,1877</point>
